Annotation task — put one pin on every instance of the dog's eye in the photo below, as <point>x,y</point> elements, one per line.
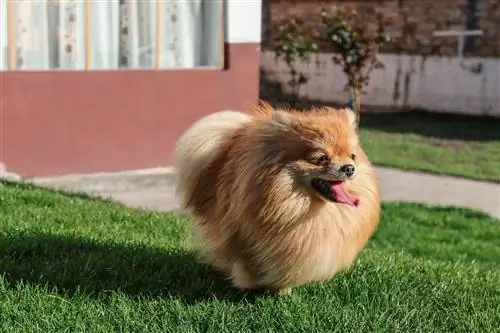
<point>323,159</point>
<point>353,157</point>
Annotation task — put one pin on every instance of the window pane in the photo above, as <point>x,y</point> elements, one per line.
<point>111,34</point>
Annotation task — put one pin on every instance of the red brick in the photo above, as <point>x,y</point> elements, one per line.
<point>428,15</point>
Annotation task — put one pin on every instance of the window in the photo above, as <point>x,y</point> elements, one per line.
<point>110,34</point>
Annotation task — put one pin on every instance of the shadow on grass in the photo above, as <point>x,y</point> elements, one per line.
<point>435,125</point>
<point>67,265</point>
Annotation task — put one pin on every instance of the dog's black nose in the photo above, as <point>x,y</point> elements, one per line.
<point>348,169</point>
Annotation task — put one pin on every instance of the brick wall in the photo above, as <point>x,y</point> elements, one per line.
<point>425,16</point>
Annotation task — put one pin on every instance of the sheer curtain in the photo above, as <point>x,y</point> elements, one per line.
<point>110,34</point>
<point>3,35</point>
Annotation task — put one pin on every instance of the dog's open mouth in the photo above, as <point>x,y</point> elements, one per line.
<point>335,191</point>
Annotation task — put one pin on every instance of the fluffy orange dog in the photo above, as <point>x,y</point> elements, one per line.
<point>280,198</point>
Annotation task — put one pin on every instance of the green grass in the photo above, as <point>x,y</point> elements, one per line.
<point>74,264</point>
<point>446,144</point>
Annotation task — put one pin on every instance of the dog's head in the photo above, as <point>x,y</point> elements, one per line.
<point>318,148</point>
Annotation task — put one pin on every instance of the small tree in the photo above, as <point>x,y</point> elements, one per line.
<point>294,44</point>
<point>356,45</point>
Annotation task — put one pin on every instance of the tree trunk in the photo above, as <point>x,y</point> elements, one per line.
<point>355,102</point>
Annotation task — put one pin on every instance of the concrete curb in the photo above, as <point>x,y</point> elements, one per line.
<point>110,181</point>
<point>4,174</point>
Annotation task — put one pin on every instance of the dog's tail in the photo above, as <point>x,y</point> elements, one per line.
<point>198,146</point>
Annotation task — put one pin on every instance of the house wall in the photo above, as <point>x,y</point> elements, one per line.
<point>63,122</point>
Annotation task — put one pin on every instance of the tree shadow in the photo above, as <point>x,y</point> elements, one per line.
<point>433,124</point>
<point>68,265</point>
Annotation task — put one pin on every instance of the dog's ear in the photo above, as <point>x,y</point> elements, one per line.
<point>282,118</point>
<point>346,114</point>
<point>351,117</point>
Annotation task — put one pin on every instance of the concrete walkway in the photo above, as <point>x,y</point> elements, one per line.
<point>153,188</point>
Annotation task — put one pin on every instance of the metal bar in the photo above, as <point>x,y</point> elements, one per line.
<point>461,46</point>
<point>450,33</point>
<point>461,34</point>
<point>11,35</point>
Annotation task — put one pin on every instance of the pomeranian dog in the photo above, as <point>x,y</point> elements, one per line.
<point>279,198</point>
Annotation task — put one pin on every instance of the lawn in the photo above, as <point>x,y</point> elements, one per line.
<point>447,144</point>
<point>69,263</point>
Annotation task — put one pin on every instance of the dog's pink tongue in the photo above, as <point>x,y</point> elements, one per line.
<point>341,195</point>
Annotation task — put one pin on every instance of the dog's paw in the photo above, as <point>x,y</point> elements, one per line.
<point>284,291</point>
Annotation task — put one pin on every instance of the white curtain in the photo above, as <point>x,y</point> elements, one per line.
<point>189,30</point>
<point>52,34</point>
<point>105,34</point>
<point>3,35</point>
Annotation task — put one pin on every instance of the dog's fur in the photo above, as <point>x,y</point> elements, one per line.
<point>242,177</point>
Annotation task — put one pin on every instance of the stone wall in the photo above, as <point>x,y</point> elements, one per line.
<point>414,21</point>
